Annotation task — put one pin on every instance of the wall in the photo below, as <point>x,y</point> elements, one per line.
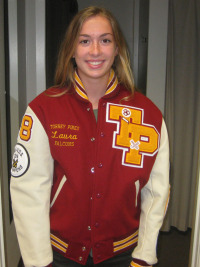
<point>26,73</point>
<point>157,52</point>
<point>2,113</point>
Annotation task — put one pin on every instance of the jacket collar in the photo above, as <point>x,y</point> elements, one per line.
<point>111,86</point>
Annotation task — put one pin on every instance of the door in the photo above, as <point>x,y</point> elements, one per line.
<point>9,250</point>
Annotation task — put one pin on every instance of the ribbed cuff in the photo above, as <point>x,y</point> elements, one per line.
<point>141,264</point>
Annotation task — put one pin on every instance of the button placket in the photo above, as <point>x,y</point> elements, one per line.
<point>95,171</point>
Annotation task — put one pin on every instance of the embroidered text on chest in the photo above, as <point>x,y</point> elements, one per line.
<point>64,135</point>
<point>134,137</point>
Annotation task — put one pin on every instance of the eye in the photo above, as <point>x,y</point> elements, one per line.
<point>106,41</point>
<point>85,41</point>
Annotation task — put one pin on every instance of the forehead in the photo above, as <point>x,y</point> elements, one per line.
<point>95,25</point>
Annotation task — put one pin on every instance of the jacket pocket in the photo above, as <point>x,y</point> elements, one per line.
<point>62,182</point>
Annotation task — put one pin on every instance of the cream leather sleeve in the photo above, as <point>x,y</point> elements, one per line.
<point>154,200</point>
<point>31,181</point>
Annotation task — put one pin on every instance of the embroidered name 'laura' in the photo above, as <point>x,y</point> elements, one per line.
<point>63,136</point>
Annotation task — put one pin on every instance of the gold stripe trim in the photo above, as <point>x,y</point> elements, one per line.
<point>59,241</point>
<point>126,245</point>
<point>58,246</point>
<point>112,88</point>
<point>133,264</point>
<point>81,93</point>
<point>112,74</point>
<point>125,240</point>
<point>78,80</point>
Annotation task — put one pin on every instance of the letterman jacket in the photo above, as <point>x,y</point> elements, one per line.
<point>103,184</point>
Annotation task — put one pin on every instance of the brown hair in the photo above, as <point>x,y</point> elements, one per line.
<point>64,75</point>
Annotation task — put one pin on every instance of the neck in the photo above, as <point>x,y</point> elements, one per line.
<point>95,89</point>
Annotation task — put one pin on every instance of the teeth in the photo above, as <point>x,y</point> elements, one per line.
<point>95,63</point>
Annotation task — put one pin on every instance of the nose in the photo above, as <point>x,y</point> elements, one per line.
<point>95,49</point>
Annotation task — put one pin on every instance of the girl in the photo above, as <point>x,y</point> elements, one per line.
<point>90,170</point>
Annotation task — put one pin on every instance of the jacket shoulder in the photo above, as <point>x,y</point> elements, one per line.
<point>49,101</point>
<point>145,102</point>
<point>51,94</point>
<point>151,114</point>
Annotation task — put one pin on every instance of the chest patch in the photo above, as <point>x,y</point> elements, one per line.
<point>134,137</point>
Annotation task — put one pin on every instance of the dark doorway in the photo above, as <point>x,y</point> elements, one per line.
<point>58,15</point>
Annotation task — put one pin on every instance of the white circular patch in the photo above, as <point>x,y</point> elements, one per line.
<point>20,162</point>
<point>126,112</point>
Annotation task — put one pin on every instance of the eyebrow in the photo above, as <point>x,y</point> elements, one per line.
<point>102,35</point>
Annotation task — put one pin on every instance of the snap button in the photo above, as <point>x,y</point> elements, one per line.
<point>83,248</point>
<point>98,195</point>
<point>100,165</point>
<point>93,139</point>
<point>102,134</point>
<point>80,258</point>
<point>89,228</point>
<point>92,170</point>
<point>88,109</point>
<point>96,225</point>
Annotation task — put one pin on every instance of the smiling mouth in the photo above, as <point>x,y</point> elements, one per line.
<point>95,63</point>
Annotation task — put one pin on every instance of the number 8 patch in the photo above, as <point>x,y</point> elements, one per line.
<point>26,128</point>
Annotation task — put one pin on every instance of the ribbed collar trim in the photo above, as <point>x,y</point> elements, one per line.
<point>111,86</point>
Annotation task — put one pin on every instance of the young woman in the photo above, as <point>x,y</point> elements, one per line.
<point>90,169</point>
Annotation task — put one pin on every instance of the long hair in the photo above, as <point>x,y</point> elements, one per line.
<point>64,74</point>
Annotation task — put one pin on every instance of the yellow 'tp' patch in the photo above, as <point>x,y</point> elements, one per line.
<point>134,137</point>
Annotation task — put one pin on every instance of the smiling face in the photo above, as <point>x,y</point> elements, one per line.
<point>95,50</point>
